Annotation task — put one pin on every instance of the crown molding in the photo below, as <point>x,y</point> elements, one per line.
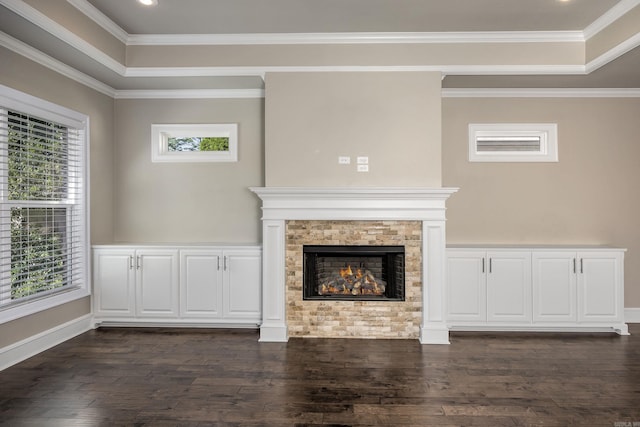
<point>67,71</point>
<point>57,30</point>
<point>355,38</point>
<point>541,93</point>
<point>609,17</point>
<point>101,19</point>
<point>614,53</point>
<point>258,71</point>
<point>511,70</point>
<point>191,94</point>
<point>53,64</point>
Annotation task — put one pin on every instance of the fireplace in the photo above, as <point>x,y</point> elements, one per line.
<point>293,217</point>
<point>355,273</point>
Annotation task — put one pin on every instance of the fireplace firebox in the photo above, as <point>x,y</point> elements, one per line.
<point>355,273</point>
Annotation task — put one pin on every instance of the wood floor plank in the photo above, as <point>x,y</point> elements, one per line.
<point>184,377</point>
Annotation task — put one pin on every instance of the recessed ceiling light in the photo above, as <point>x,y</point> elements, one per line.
<point>148,2</point>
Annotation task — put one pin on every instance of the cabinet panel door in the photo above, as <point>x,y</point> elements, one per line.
<point>114,282</point>
<point>157,283</point>
<point>242,284</point>
<point>466,286</point>
<point>554,286</point>
<point>200,283</point>
<point>600,287</point>
<point>509,287</point>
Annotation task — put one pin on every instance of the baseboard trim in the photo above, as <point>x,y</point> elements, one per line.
<point>29,347</point>
<point>632,315</point>
<point>144,323</point>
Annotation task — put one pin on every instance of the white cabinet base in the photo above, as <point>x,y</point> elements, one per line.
<point>177,286</point>
<point>535,289</point>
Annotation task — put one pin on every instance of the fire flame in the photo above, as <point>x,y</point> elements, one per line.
<point>360,282</point>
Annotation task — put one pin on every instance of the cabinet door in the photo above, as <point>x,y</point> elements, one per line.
<point>466,286</point>
<point>554,286</point>
<point>600,297</point>
<point>509,287</point>
<point>114,282</point>
<point>157,283</point>
<point>242,284</point>
<point>201,283</point>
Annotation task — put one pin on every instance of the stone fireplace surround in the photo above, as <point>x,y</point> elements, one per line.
<point>282,204</point>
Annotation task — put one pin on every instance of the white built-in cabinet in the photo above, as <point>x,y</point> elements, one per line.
<point>197,285</point>
<point>541,288</point>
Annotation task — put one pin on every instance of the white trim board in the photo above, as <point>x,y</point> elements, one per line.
<point>609,17</point>
<point>101,19</point>
<point>541,93</point>
<point>57,30</point>
<point>53,64</point>
<point>190,94</point>
<point>356,38</point>
<point>22,350</point>
<point>632,315</point>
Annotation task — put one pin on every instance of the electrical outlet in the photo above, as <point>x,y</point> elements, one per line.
<point>344,160</point>
<point>363,168</point>
<point>363,160</point>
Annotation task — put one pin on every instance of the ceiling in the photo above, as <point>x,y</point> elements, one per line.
<point>323,16</point>
<point>251,17</point>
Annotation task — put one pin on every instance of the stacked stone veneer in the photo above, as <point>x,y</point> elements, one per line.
<point>354,319</point>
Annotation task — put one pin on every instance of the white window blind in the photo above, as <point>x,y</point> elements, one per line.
<point>42,205</point>
<point>513,142</point>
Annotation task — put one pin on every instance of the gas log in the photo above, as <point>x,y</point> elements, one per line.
<point>349,281</point>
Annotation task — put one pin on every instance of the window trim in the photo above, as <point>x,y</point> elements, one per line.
<point>547,132</point>
<point>160,134</point>
<point>19,101</point>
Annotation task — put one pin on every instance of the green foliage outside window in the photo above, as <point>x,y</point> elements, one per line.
<point>198,144</point>
<point>37,172</point>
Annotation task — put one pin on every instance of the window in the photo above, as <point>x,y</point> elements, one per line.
<point>194,143</point>
<point>510,142</point>
<point>43,260</point>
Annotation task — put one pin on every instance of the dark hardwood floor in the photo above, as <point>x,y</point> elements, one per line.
<point>161,377</point>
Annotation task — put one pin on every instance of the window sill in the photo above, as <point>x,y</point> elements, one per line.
<point>17,311</point>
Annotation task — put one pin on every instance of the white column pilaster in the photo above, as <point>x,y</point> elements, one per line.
<point>433,329</point>
<point>274,320</point>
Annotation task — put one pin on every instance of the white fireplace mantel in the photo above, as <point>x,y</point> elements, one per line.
<point>280,204</point>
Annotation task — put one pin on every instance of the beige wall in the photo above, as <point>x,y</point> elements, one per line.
<point>187,202</point>
<point>389,54</point>
<point>589,197</point>
<point>26,76</point>
<point>393,118</point>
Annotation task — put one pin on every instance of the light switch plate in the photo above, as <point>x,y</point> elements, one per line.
<point>344,160</point>
<point>363,168</point>
<point>363,160</point>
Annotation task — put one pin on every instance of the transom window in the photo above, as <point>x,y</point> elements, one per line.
<point>513,142</point>
<point>194,143</point>
<point>43,260</point>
